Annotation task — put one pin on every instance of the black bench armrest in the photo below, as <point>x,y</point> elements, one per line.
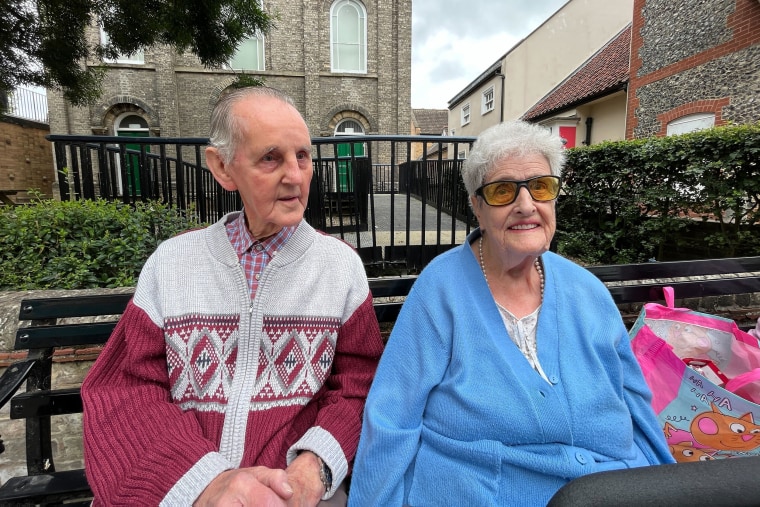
<point>54,487</point>
<point>13,377</point>
<point>715,483</point>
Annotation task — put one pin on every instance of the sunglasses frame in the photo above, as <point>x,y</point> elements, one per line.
<point>520,183</point>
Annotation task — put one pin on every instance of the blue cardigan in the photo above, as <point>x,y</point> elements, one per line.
<point>457,416</point>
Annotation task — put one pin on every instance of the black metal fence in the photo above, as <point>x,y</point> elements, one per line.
<point>366,190</point>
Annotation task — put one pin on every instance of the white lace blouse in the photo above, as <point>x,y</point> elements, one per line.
<point>523,333</point>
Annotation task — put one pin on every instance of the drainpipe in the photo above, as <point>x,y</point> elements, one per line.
<point>589,122</point>
<point>501,104</point>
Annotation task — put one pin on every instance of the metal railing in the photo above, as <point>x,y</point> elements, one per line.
<point>28,104</point>
<point>366,190</point>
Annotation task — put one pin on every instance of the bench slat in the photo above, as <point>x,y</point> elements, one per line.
<point>687,289</point>
<point>675,269</point>
<point>46,403</point>
<point>64,335</point>
<point>387,312</point>
<point>78,306</point>
<point>388,287</point>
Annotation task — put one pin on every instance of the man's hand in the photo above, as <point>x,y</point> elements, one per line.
<point>255,486</point>
<point>303,475</point>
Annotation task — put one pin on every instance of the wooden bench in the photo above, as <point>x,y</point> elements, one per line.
<point>632,284</point>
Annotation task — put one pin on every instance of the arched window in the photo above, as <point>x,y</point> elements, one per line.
<point>348,37</point>
<point>348,128</point>
<point>690,123</point>
<point>131,125</point>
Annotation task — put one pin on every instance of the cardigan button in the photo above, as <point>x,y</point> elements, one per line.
<point>581,458</point>
<point>554,379</point>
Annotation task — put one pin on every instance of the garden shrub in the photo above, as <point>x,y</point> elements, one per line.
<point>82,244</point>
<point>695,195</point>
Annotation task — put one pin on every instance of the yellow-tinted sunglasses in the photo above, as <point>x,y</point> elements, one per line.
<point>501,193</point>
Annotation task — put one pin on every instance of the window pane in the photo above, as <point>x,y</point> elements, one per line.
<point>250,55</point>
<point>348,25</point>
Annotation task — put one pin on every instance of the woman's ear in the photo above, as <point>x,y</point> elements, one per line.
<point>475,204</point>
<point>219,169</point>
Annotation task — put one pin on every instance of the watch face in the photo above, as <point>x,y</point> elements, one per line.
<point>325,475</point>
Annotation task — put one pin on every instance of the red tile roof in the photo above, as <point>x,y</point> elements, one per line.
<point>605,72</point>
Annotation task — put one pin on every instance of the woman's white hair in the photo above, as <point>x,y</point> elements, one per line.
<point>224,124</point>
<point>510,139</point>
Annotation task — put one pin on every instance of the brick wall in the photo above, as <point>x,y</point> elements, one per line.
<point>174,93</point>
<point>693,57</point>
<point>26,157</point>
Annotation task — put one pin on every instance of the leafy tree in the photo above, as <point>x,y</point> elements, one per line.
<point>43,42</point>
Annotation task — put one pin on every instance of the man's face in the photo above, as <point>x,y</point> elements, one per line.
<point>271,167</point>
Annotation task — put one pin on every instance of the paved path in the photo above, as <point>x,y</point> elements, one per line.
<point>383,212</point>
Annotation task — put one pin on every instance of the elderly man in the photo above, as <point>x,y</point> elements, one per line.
<point>238,373</point>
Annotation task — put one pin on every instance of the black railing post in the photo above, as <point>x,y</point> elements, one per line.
<point>200,194</point>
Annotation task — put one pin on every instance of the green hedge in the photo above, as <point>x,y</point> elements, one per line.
<point>695,195</point>
<point>81,244</point>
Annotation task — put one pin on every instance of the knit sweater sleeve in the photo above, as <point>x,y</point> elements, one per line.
<point>413,363</point>
<point>335,434</point>
<point>137,443</point>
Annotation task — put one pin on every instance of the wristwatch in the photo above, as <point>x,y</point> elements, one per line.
<point>325,475</point>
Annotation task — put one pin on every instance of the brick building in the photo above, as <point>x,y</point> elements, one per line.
<point>680,66</point>
<point>26,160</point>
<point>693,64</point>
<point>346,63</point>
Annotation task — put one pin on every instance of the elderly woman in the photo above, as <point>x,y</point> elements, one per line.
<point>509,371</point>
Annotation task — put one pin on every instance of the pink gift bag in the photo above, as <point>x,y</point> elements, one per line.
<point>707,410</point>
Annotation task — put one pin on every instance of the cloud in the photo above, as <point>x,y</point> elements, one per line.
<point>454,41</point>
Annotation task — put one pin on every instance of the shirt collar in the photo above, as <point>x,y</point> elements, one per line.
<point>243,241</point>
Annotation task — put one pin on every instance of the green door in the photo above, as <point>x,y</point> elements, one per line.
<point>133,162</point>
<point>345,174</point>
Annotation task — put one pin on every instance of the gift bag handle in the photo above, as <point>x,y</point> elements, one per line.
<point>742,380</point>
<point>670,296</point>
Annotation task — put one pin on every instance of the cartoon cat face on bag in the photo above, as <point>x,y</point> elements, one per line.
<point>724,432</point>
<point>682,445</point>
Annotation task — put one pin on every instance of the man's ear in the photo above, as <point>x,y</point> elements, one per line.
<point>219,169</point>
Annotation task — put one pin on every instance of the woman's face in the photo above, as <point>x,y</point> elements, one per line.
<point>525,227</point>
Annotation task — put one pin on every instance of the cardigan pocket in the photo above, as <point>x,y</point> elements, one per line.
<point>453,472</point>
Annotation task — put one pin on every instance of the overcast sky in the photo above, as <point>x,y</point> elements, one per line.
<point>454,41</point>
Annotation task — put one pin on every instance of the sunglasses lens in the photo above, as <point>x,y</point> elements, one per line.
<point>545,188</point>
<point>500,193</point>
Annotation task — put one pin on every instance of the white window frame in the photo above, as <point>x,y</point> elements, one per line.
<point>138,58</point>
<point>465,114</point>
<point>691,123</point>
<point>337,47</point>
<point>486,103</point>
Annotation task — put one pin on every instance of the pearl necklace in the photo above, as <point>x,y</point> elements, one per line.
<point>537,263</point>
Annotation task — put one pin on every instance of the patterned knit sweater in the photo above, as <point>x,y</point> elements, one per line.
<point>197,378</point>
